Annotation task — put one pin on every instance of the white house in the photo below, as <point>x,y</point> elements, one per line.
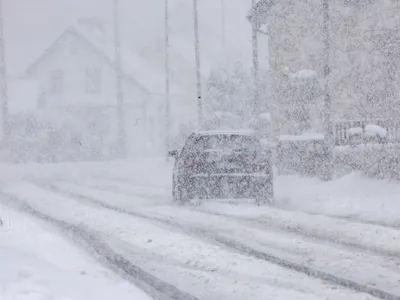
<point>77,80</point>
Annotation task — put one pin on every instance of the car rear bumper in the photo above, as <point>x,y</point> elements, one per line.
<point>224,185</point>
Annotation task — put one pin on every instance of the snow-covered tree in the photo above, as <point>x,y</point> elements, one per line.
<point>230,88</point>
<point>303,88</point>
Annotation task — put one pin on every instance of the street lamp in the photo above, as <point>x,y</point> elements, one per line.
<point>3,79</point>
<point>198,66</point>
<point>119,92</point>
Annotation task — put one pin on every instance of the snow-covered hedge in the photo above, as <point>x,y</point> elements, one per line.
<point>377,161</point>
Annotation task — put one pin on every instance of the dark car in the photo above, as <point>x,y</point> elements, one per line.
<point>218,164</point>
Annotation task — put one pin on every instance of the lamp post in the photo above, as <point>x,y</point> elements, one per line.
<point>119,92</point>
<point>167,80</point>
<point>329,138</point>
<point>3,79</point>
<point>198,66</point>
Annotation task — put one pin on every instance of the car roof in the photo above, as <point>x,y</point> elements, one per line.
<point>247,132</point>
<point>304,137</point>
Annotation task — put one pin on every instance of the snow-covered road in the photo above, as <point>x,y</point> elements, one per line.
<point>37,263</point>
<point>215,250</point>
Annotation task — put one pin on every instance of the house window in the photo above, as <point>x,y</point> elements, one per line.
<point>57,82</point>
<point>93,80</point>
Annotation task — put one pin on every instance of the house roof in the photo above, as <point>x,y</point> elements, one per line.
<point>134,68</point>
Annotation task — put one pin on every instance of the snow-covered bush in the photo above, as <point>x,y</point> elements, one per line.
<point>373,160</point>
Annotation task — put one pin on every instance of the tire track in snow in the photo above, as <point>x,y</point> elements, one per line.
<point>153,286</point>
<point>254,224</point>
<point>360,220</point>
<point>233,245</point>
<point>302,232</point>
<point>351,218</point>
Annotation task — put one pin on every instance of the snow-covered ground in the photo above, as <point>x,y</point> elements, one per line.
<point>128,206</point>
<point>353,196</point>
<point>36,263</point>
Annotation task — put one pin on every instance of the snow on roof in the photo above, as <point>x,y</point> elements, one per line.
<point>137,67</point>
<point>227,131</point>
<point>133,64</point>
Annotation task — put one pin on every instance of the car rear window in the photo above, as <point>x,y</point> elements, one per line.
<point>225,142</point>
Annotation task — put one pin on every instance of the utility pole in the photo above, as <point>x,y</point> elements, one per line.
<point>254,27</point>
<point>198,66</point>
<point>119,91</point>
<point>3,79</point>
<point>167,81</point>
<point>223,24</point>
<point>329,138</point>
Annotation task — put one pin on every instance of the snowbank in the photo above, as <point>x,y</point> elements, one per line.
<point>36,263</point>
<point>373,130</point>
<point>352,196</point>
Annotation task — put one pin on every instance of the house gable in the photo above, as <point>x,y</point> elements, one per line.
<point>74,41</point>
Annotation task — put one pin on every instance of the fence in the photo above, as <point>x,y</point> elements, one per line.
<point>391,125</point>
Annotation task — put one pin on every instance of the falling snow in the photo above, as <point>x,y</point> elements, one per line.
<point>199,149</point>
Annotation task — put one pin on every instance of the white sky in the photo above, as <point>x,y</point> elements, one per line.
<point>31,25</point>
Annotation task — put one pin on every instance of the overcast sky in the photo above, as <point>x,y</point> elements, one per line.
<point>31,25</point>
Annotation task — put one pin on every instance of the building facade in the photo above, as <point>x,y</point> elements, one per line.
<point>364,57</point>
<point>76,78</point>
